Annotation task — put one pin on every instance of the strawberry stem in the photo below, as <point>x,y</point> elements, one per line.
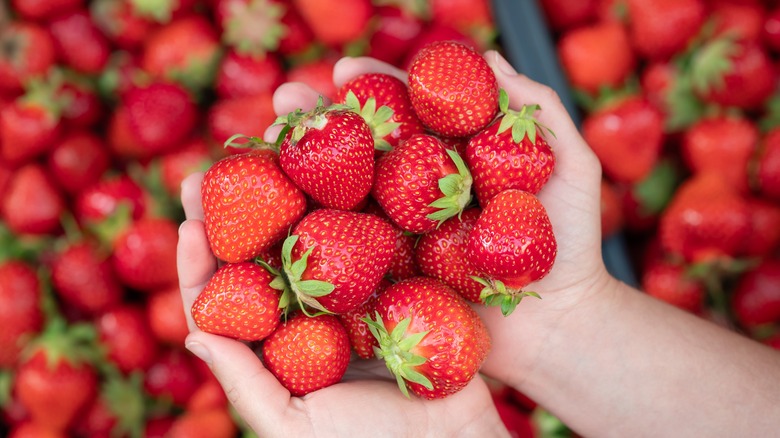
<point>496,294</point>
<point>456,188</point>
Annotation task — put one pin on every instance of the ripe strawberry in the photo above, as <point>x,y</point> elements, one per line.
<point>84,277</point>
<point>706,219</point>
<point>29,125</point>
<point>436,32</point>
<point>578,48</point>
<point>333,260</point>
<point>238,302</point>
<point>744,20</point>
<point>329,153</point>
<point>79,43</point>
<point>261,27</point>
<point>20,316</point>
<point>756,299</point>
<point>395,31</point>
<point>335,22</point>
<point>510,153</point>
<point>210,423</point>
<point>764,228</point>
<point>721,144</point>
<point>671,283</point>
<point>192,156</point>
<point>107,197</point>
<point>307,353</point>
<point>448,102</point>
<point>387,91</point>
<point>248,115</point>
<point>317,74</point>
<point>767,173</point>
<point>241,221</point>
<point>78,160</point>
<point>118,409</point>
<point>472,17</point>
<point>186,50</point>
<point>612,219</point>
<point>125,334</point>
<point>120,24</point>
<point>57,380</point>
<point>770,35</point>
<point>360,337</point>
<point>563,14</point>
<point>402,264</point>
<point>246,75</point>
<point>164,311</point>
<point>429,337</point>
<point>30,429</point>
<point>26,52</point>
<point>421,183</point>
<point>84,109</point>
<point>441,254</point>
<point>512,245</point>
<point>173,376</point>
<point>516,420</point>
<point>627,136</point>
<point>144,254</point>
<point>32,204</point>
<point>662,28</point>
<point>43,10</point>
<point>643,202</point>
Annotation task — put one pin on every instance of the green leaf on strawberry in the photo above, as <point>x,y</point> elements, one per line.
<point>456,188</point>
<point>296,291</point>
<point>496,294</point>
<point>379,120</point>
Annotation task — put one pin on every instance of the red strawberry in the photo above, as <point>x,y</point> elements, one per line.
<point>334,259</point>
<point>447,101</point>
<point>261,27</point>
<point>430,338</point>
<point>511,153</point>
<point>42,10</point>
<point>165,313</point>
<point>360,337</point>
<point>643,202</point>
<point>441,254</point>
<point>241,221</point>
<point>144,254</point>
<point>246,75</point>
<point>436,32</point>
<point>706,219</point>
<point>210,423</point>
<point>387,91</point>
<point>117,20</point>
<point>515,419</point>
<point>756,299</point>
<point>29,125</point>
<point>32,203</point>
<point>118,409</point>
<point>105,198</point>
<point>79,43</point>
<point>743,20</point>
<point>307,353</point>
<point>173,376</point>
<point>580,47</point>
<point>192,156</point>
<point>627,136</point>
<point>612,219</point>
<point>767,173</point>
<point>512,245</point>
<point>84,109</point>
<point>125,334</point>
<point>329,154</point>
<point>671,283</point>
<point>764,226</point>
<point>721,144</point>
<point>21,316</point>
<point>78,160</point>
<point>84,277</point>
<point>26,52</point>
<point>563,14</point>
<point>771,30</point>
<point>395,32</point>
<point>247,115</point>
<point>472,17</point>
<point>402,264</point>
<point>317,74</point>
<point>238,302</point>
<point>335,22</point>
<point>421,183</point>
<point>662,28</point>
<point>30,429</point>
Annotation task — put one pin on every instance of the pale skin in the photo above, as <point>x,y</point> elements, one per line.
<point>603,357</point>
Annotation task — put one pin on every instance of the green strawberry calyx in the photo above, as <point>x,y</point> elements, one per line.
<point>157,10</point>
<point>712,62</point>
<point>255,28</point>
<point>522,122</point>
<point>297,292</point>
<point>124,396</point>
<point>496,293</point>
<point>242,141</point>
<point>299,121</point>
<point>395,348</point>
<point>76,343</point>
<point>378,119</point>
<point>456,188</point>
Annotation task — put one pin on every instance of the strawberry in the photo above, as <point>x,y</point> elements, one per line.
<point>510,153</point>
<point>764,228</point>
<point>395,32</point>
<point>258,28</point>
<point>32,203</point>
<point>79,43</point>
<point>211,423</point>
<point>360,337</point>
<point>21,316</point>
<point>441,254</point>
<point>30,429</point>
<point>612,219</point>
<point>627,136</point>
<point>402,264</point>
<point>387,91</point>
<point>241,221</point>
<point>671,283</point>
<point>85,109</point>
<point>166,318</point>
<point>429,337</point>
<point>173,376</point>
<point>107,197</point>
<point>756,299</point>
<point>84,277</point>
<point>472,17</point>
<point>721,144</point>
<point>307,353</point>
<point>26,52</point>
<point>436,32</point>
<point>128,341</point>
<point>186,50</point>
<point>192,156</point>
<point>56,379</point>
<point>516,421</point>
<point>30,124</point>
<point>770,35</point>
<point>563,14</point>
<point>77,161</point>
<point>117,410</point>
<point>335,22</point>
<point>511,245</point>
<point>245,75</point>
<point>333,260</point>
<point>705,220</point>
<point>742,20</point>
<point>317,74</point>
<point>144,254</point>
<point>421,183</point>
<point>767,167</point>
<point>448,102</point>
<point>643,202</point>
<point>578,48</point>
<point>249,115</point>
<point>42,10</point>
<point>662,28</point>
<point>329,153</point>
<point>118,22</point>
<point>238,302</point>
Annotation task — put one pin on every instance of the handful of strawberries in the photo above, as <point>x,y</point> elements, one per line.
<point>373,223</point>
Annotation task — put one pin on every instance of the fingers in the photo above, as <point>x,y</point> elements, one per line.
<point>348,68</point>
<point>195,263</point>
<point>190,196</point>
<point>253,391</point>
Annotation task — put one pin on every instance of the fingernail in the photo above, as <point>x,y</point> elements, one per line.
<point>503,65</point>
<point>199,350</point>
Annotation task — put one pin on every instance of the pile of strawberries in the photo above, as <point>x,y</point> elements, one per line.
<point>683,117</point>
